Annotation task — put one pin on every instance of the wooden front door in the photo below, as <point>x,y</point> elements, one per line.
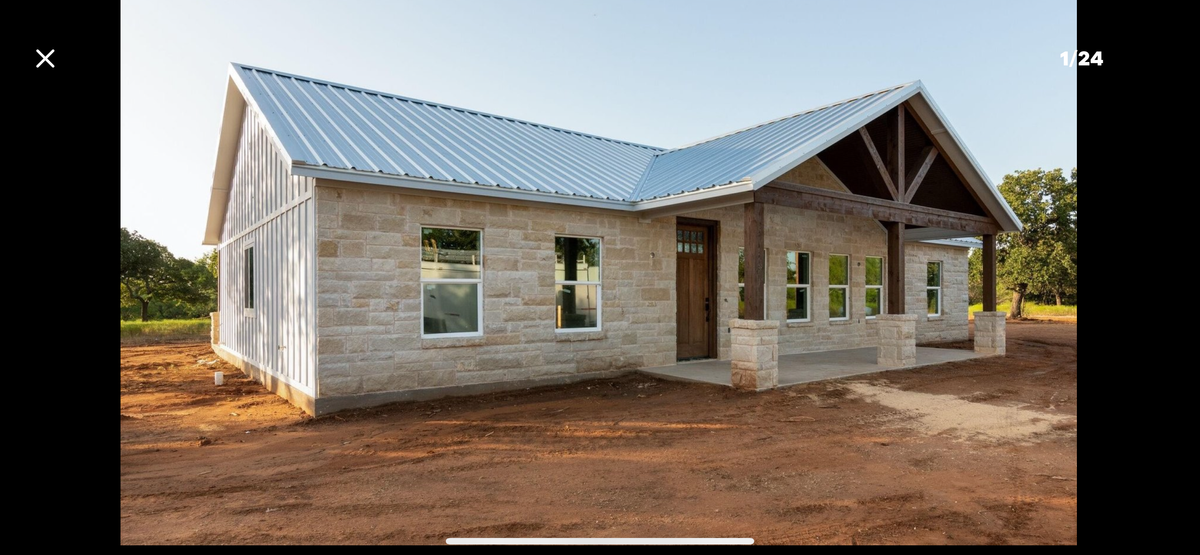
<point>696,313</point>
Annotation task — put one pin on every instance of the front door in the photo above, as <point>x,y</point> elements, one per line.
<point>696,316</point>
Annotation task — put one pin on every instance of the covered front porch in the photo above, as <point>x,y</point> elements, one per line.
<point>918,184</point>
<point>808,367</point>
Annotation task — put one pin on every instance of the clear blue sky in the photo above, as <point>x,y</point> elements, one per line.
<point>663,73</point>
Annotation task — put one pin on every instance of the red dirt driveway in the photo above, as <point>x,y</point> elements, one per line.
<point>980,451</point>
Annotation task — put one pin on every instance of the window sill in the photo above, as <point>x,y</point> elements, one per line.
<point>840,322</point>
<point>561,335</point>
<point>801,324</point>
<point>448,342</point>
<point>934,317</point>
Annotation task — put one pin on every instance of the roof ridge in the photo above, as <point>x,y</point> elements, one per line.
<point>789,116</point>
<point>446,106</point>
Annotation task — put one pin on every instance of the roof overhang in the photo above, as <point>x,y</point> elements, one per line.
<point>227,144</point>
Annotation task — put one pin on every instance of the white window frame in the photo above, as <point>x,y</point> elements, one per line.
<point>599,290</point>
<point>845,287</point>
<point>766,280</point>
<point>882,279</point>
<point>422,281</point>
<point>937,288</point>
<point>807,287</point>
<point>248,292</point>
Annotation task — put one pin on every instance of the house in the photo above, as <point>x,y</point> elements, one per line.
<point>376,248</point>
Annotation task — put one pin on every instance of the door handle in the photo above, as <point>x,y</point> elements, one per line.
<point>706,309</point>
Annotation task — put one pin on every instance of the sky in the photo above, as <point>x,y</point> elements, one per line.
<point>663,73</point>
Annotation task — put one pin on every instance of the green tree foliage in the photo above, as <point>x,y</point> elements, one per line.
<point>1042,258</point>
<point>156,283</point>
<point>975,276</point>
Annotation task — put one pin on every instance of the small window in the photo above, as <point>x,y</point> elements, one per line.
<point>742,281</point>
<point>451,279</point>
<point>577,283</point>
<point>839,287</point>
<point>798,282</point>
<point>874,293</point>
<point>248,280</point>
<point>933,288</point>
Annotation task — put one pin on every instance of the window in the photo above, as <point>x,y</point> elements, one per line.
<point>839,287</point>
<point>933,288</point>
<point>248,280</point>
<point>742,281</point>
<point>874,299</point>
<point>451,278</point>
<point>577,283</point>
<point>798,280</point>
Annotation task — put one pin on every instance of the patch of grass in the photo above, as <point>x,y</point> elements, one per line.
<point>1033,309</point>
<point>164,330</point>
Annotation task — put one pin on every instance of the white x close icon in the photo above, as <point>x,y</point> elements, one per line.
<point>45,58</point>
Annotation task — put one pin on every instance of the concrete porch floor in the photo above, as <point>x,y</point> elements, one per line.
<point>807,367</point>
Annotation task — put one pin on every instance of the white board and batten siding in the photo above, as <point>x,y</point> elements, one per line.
<point>274,211</point>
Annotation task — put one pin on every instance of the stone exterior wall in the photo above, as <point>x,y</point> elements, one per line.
<point>369,304</point>
<point>952,324</point>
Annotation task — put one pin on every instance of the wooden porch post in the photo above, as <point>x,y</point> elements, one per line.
<point>754,247</point>
<point>989,273</point>
<point>895,267</point>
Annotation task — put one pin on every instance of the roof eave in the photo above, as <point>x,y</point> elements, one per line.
<point>435,185</point>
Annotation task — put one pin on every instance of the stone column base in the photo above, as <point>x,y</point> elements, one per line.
<point>989,333</point>
<point>755,363</point>
<point>215,332</point>
<point>897,339</point>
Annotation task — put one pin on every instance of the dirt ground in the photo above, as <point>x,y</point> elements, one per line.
<point>980,451</point>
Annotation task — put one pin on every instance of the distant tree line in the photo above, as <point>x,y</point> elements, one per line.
<point>156,284</point>
<point>1040,262</point>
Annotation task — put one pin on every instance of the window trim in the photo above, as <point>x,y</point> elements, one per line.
<point>599,289</point>
<point>421,281</point>
<point>766,280</point>
<point>868,286</point>
<point>937,288</point>
<point>845,287</point>
<point>248,296</point>
<point>807,287</point>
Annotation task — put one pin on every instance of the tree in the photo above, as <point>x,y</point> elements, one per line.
<point>975,276</point>
<point>1042,257</point>
<point>147,269</point>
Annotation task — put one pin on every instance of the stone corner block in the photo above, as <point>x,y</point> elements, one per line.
<point>897,340</point>
<point>990,335</point>
<point>755,352</point>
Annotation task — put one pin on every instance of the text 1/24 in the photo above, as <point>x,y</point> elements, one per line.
<point>1085,58</point>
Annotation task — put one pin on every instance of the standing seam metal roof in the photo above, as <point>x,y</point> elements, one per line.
<point>337,126</point>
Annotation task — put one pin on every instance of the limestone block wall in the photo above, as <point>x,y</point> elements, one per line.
<point>952,324</point>
<point>369,304</point>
